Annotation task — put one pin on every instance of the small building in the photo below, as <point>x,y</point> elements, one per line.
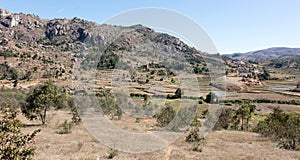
<point>246,75</point>
<point>127,80</point>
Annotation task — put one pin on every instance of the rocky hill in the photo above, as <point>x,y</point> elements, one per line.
<point>32,48</point>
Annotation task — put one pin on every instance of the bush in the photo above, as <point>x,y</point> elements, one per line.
<point>109,105</point>
<point>65,128</point>
<point>244,113</point>
<point>112,154</point>
<point>193,136</point>
<point>211,98</point>
<point>178,94</point>
<point>225,120</point>
<point>165,116</point>
<point>282,128</point>
<point>197,141</point>
<point>109,59</point>
<point>14,144</point>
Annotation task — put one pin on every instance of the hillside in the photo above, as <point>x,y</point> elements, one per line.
<point>267,54</point>
<point>32,48</point>
<point>141,82</point>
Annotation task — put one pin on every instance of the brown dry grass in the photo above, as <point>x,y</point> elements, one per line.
<point>80,144</point>
<point>261,95</point>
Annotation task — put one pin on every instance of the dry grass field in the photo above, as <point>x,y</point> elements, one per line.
<point>81,145</point>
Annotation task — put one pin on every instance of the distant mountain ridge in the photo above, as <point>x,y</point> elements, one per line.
<point>267,54</point>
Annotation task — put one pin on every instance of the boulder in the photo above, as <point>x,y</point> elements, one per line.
<point>11,21</point>
<point>4,13</point>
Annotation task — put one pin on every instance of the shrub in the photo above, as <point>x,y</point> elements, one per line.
<point>14,144</point>
<point>108,59</point>
<point>178,94</point>
<point>108,105</point>
<point>165,116</point>
<point>281,127</point>
<point>112,154</point>
<point>65,128</point>
<point>195,139</point>
<point>161,73</point>
<point>211,98</point>
<point>193,136</point>
<point>225,119</point>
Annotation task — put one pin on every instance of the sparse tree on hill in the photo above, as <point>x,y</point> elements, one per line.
<point>178,93</point>
<point>211,98</point>
<point>41,99</point>
<point>245,113</point>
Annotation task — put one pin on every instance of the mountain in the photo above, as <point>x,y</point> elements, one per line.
<point>32,48</point>
<point>267,54</point>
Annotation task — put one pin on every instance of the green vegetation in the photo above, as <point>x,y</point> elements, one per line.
<point>108,105</point>
<point>109,59</point>
<point>7,72</point>
<point>286,63</point>
<point>14,144</point>
<point>165,116</point>
<point>265,75</point>
<point>7,54</point>
<point>195,139</point>
<point>263,100</point>
<point>236,119</point>
<point>225,120</point>
<point>211,98</point>
<point>41,99</point>
<point>65,128</point>
<point>281,127</point>
<point>178,94</point>
<point>244,113</point>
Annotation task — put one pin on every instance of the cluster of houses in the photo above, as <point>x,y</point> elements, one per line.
<point>243,69</point>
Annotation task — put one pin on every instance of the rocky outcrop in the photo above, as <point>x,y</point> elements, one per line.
<point>11,21</point>
<point>55,29</point>
<point>4,13</point>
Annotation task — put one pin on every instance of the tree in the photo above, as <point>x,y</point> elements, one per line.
<point>281,127</point>
<point>14,144</point>
<point>178,93</point>
<point>225,119</point>
<point>245,113</point>
<point>265,75</point>
<point>108,103</point>
<point>41,99</point>
<point>211,98</point>
<point>15,82</point>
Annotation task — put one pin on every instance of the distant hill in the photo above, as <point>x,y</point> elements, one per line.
<point>32,48</point>
<point>267,54</point>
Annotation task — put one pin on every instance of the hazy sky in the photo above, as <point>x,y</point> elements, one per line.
<point>233,25</point>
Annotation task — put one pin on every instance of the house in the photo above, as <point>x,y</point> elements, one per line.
<point>127,80</point>
<point>246,75</point>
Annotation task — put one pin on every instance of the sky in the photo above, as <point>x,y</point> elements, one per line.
<point>232,25</point>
